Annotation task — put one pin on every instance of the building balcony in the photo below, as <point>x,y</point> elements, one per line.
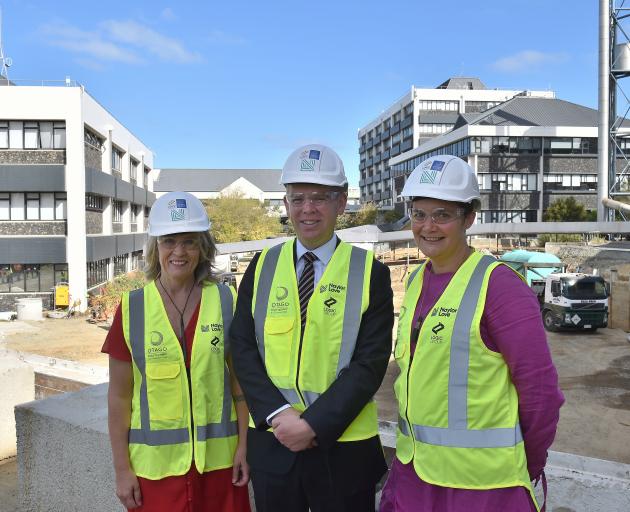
<point>377,177</point>
<point>407,121</point>
<point>385,154</point>
<point>395,150</point>
<point>369,180</point>
<point>361,183</point>
<point>369,162</point>
<point>362,165</point>
<point>32,178</point>
<point>385,175</point>
<point>377,139</point>
<point>369,144</point>
<point>386,194</point>
<point>385,134</point>
<point>377,158</point>
<point>99,247</point>
<point>395,128</point>
<point>406,145</point>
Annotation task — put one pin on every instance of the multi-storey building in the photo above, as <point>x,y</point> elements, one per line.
<point>527,152</point>
<point>414,119</point>
<point>74,193</point>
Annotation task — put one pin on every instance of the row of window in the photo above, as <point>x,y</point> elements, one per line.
<point>434,128</point>
<point>32,134</point>
<point>511,181</point>
<point>532,145</point>
<point>570,181</point>
<point>18,277</point>
<point>98,271</point>
<point>93,202</point>
<point>479,106</point>
<point>460,148</point>
<point>489,216</point>
<point>33,206</point>
<point>438,106</point>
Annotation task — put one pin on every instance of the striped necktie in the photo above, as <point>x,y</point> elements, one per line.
<point>306,284</point>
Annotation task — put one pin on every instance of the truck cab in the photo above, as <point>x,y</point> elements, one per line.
<point>575,300</point>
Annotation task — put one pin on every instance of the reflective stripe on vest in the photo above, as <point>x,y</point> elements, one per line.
<point>413,274</point>
<point>457,433</point>
<point>144,435</point>
<point>352,311</point>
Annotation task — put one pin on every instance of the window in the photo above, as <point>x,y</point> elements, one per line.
<point>133,170</point>
<point>46,135</point>
<point>5,206</point>
<point>91,139</point>
<point>32,206</point>
<point>117,156</point>
<point>4,135</point>
<point>117,211</point>
<point>29,277</point>
<point>93,203</point>
<point>145,177</point>
<point>31,135</point>
<point>61,210</point>
<point>134,217</point>
<point>560,182</point>
<point>488,216</point>
<point>571,145</point>
<point>438,106</point>
<point>59,134</point>
<point>120,265</point>
<point>513,182</point>
<point>97,272</point>
<point>407,132</point>
<point>408,109</point>
<point>434,128</point>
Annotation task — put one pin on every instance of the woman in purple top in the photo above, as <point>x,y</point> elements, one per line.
<point>445,195</point>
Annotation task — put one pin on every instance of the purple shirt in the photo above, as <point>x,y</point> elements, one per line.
<point>511,325</point>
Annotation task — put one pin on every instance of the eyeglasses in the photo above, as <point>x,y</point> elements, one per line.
<point>169,243</point>
<point>316,198</point>
<point>438,216</point>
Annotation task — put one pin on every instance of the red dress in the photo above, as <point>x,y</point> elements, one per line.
<point>192,492</point>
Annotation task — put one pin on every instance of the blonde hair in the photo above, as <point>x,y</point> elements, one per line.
<point>205,272</point>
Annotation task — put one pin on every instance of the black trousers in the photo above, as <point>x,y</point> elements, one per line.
<point>309,485</point>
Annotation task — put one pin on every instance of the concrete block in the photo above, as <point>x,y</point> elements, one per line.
<point>17,382</point>
<point>64,457</point>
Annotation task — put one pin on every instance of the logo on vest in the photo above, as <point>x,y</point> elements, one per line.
<point>447,312</point>
<point>156,351</point>
<point>214,342</point>
<point>329,303</point>
<point>436,329</point>
<point>281,293</point>
<point>336,288</point>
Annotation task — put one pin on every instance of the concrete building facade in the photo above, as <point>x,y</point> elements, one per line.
<point>74,193</point>
<point>412,121</point>
<point>527,153</point>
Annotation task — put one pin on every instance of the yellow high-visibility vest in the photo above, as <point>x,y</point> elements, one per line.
<point>302,367</point>
<point>458,408</point>
<point>162,434</point>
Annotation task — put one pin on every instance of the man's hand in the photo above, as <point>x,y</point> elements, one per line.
<point>128,489</point>
<point>292,431</point>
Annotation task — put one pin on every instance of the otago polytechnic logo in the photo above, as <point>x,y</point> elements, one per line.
<point>156,349</point>
<point>156,338</point>
<point>328,306</point>
<point>436,329</point>
<point>281,293</point>
<point>215,342</point>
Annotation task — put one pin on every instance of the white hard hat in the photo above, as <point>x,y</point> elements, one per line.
<point>177,212</point>
<point>444,177</point>
<point>316,164</point>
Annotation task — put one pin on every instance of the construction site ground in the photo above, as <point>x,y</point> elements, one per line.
<point>594,370</point>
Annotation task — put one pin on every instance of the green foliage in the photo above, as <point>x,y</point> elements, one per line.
<point>366,215</point>
<point>557,237</point>
<point>391,216</point>
<point>235,219</point>
<point>566,210</point>
<point>109,295</point>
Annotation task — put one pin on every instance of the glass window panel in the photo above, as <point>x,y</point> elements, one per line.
<point>5,213</point>
<point>59,135</point>
<point>4,135</point>
<point>46,134</point>
<point>32,206</point>
<point>531,182</point>
<point>5,272</point>
<point>31,136</point>
<point>16,278</point>
<point>61,273</point>
<point>17,206</point>
<point>575,181</point>
<point>31,278</point>
<point>46,277</point>
<point>60,206</point>
<point>15,135</point>
<point>566,180</point>
<point>47,206</point>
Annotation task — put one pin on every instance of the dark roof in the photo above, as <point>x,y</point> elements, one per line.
<point>462,82</point>
<point>529,111</point>
<point>215,180</point>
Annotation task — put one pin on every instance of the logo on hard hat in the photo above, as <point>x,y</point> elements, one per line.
<point>309,159</point>
<point>178,209</point>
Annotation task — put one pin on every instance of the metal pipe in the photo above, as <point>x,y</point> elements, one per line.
<point>616,205</point>
<point>604,98</point>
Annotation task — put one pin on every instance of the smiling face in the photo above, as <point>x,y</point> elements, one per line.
<point>444,244</point>
<point>179,255</point>
<point>314,219</point>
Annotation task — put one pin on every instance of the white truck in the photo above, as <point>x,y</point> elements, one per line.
<point>567,300</point>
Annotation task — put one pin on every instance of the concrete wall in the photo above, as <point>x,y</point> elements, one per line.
<point>17,383</point>
<point>33,227</point>
<point>64,461</point>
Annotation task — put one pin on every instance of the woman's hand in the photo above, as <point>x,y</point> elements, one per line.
<point>128,489</point>
<point>240,469</point>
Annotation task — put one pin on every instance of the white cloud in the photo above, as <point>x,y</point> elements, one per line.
<point>167,14</point>
<point>84,42</point>
<point>528,59</point>
<point>141,36</point>
<point>117,41</point>
<point>223,38</point>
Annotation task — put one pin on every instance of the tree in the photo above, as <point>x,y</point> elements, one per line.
<point>235,218</point>
<point>366,215</point>
<point>566,210</point>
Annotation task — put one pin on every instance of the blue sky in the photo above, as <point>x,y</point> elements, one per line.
<point>242,84</point>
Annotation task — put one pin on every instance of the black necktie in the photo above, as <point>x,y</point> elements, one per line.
<point>306,283</point>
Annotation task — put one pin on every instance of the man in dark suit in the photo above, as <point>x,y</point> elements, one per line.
<point>311,339</point>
